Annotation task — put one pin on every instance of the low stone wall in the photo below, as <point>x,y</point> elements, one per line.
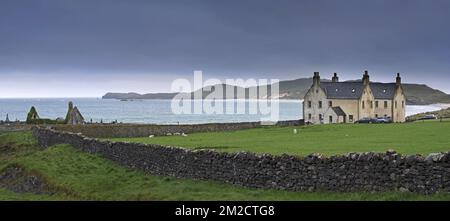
<point>144,130</point>
<point>351,172</point>
<point>14,127</point>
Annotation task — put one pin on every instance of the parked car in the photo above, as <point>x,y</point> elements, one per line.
<point>383,120</point>
<point>428,117</point>
<point>366,120</point>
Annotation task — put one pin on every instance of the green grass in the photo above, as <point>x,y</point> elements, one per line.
<point>80,176</point>
<point>408,138</point>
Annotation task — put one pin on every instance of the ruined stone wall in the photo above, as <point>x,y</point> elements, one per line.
<point>351,172</point>
<point>14,127</point>
<point>144,130</point>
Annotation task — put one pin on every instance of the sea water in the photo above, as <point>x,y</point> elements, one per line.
<point>150,111</point>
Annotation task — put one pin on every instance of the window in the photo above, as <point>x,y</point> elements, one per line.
<point>331,119</point>
<point>330,103</point>
<point>363,105</point>
<point>376,104</point>
<point>350,118</point>
<point>309,104</point>
<point>385,104</point>
<point>320,117</point>
<point>376,115</point>
<point>395,104</point>
<point>371,104</point>
<point>320,104</point>
<point>309,116</point>
<point>403,104</point>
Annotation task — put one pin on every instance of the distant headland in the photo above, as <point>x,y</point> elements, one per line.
<point>416,94</point>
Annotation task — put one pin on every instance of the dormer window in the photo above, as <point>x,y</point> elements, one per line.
<point>337,90</point>
<point>353,90</point>
<point>384,90</point>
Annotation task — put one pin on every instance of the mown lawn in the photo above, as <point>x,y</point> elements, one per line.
<point>407,138</point>
<point>76,175</point>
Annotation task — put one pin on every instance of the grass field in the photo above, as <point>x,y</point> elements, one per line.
<point>75,175</point>
<point>409,138</point>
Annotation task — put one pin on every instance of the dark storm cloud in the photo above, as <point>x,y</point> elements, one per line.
<point>284,39</point>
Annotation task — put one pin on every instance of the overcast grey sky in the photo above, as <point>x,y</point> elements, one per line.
<point>58,48</point>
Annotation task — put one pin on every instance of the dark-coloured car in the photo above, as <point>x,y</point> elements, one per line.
<point>366,120</point>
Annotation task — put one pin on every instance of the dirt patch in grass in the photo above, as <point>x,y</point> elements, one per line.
<point>16,179</point>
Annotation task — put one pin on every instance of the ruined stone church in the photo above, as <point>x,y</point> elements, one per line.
<point>347,102</point>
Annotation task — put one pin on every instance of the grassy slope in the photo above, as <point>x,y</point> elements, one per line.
<point>443,113</point>
<point>411,138</point>
<point>81,176</point>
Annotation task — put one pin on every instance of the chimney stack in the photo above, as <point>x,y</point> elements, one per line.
<point>365,79</point>
<point>316,79</point>
<point>398,80</point>
<point>335,78</point>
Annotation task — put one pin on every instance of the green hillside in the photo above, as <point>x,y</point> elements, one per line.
<point>417,94</point>
<point>443,113</point>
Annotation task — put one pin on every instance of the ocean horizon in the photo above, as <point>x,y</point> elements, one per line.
<point>152,111</point>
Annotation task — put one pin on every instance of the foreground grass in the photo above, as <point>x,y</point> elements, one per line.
<point>81,176</point>
<point>408,138</point>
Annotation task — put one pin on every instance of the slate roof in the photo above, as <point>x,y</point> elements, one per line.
<point>353,90</point>
<point>338,111</point>
<point>342,90</point>
<point>383,90</point>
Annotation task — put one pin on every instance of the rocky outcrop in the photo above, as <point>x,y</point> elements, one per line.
<point>16,179</point>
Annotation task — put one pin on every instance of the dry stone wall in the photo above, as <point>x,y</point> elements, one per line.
<point>388,171</point>
<point>144,130</point>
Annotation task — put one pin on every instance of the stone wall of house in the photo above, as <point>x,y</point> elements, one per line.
<point>399,110</point>
<point>315,95</point>
<point>144,130</point>
<point>350,107</point>
<point>351,172</point>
